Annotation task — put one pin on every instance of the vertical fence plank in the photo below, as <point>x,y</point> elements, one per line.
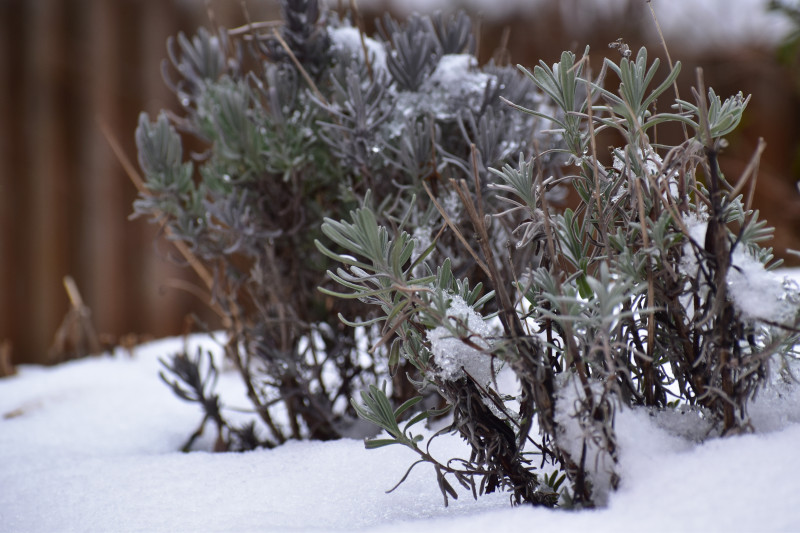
<point>103,258</point>
<point>45,85</point>
<point>164,307</point>
<point>12,179</point>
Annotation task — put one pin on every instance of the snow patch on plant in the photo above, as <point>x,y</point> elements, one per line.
<point>455,357</point>
<point>458,73</point>
<point>454,85</point>
<point>422,240</point>
<point>757,293</point>
<point>347,40</point>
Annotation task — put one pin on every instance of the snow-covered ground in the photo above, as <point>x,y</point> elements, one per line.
<point>91,445</point>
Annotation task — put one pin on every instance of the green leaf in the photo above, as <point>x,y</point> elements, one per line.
<point>371,444</point>
<point>584,289</point>
<point>668,81</point>
<point>394,353</point>
<point>424,415</point>
<point>411,402</point>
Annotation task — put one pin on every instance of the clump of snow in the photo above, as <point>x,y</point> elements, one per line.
<point>458,74</point>
<point>452,355</point>
<point>650,158</point>
<point>768,411</point>
<point>347,41</point>
<point>757,293</point>
<point>696,225</point>
<point>455,84</point>
<point>422,240</point>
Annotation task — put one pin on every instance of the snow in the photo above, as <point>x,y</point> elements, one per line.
<point>454,69</point>
<point>452,355</point>
<point>90,445</point>
<point>454,85</point>
<point>757,293</point>
<point>653,165</point>
<point>347,40</point>
<point>574,433</point>
<point>761,294</point>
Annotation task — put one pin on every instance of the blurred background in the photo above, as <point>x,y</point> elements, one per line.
<point>68,66</point>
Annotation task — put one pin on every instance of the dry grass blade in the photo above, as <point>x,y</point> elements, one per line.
<point>76,336</point>
<point>6,365</point>
<point>669,60</point>
<point>750,175</point>
<point>363,38</point>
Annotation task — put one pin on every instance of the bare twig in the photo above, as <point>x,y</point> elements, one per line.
<point>360,24</point>
<point>299,66</point>
<point>456,231</point>
<point>669,60</point>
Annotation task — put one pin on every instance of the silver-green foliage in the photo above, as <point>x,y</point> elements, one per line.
<point>625,299</point>
<point>280,129</point>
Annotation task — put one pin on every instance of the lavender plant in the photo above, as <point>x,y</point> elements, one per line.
<point>389,163</point>
<point>296,122</point>
<point>641,295</point>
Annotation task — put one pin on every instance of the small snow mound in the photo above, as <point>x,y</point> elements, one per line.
<point>578,436</point>
<point>457,80</point>
<point>454,85</point>
<point>459,71</point>
<point>776,406</point>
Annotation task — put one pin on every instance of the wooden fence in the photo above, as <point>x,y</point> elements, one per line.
<point>65,67</point>
<point>68,65</point>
